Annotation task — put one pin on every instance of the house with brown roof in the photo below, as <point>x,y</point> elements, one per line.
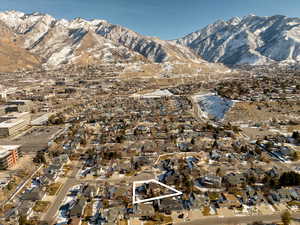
<point>230,201</point>
<point>145,210</point>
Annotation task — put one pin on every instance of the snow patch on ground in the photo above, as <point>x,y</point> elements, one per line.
<point>168,67</point>
<point>61,217</point>
<point>60,56</point>
<point>213,105</point>
<point>133,67</point>
<point>294,34</point>
<point>155,94</point>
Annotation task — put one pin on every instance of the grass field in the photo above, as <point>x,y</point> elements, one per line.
<point>52,189</point>
<point>41,206</point>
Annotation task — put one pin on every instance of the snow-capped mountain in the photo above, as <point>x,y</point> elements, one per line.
<point>249,40</point>
<point>153,48</point>
<point>50,42</point>
<point>59,42</point>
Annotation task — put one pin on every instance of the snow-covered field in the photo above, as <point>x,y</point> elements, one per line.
<point>213,105</point>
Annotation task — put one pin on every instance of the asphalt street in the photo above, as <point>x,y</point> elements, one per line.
<point>236,219</point>
<point>70,182</point>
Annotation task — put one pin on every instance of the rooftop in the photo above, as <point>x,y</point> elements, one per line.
<point>5,149</point>
<point>15,114</point>
<point>11,123</point>
<point>17,101</point>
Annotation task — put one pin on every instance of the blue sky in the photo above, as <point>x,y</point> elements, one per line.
<point>167,19</point>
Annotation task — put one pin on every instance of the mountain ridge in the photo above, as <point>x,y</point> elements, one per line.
<point>59,42</point>
<point>47,42</point>
<point>253,40</point>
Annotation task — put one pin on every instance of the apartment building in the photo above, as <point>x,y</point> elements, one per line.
<point>9,155</point>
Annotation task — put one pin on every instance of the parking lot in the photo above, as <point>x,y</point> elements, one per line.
<point>36,138</point>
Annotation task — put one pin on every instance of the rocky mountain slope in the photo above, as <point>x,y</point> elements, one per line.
<point>153,48</point>
<point>250,40</point>
<point>58,42</point>
<point>12,56</point>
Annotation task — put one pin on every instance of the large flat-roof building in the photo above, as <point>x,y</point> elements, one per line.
<point>42,120</point>
<point>14,122</point>
<point>16,115</point>
<point>2,110</point>
<point>11,127</point>
<point>19,106</point>
<point>9,155</point>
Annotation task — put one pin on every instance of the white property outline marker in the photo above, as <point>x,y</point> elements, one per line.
<point>155,198</point>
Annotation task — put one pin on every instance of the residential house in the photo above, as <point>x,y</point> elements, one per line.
<point>36,194</point>
<point>52,171</point>
<point>75,221</point>
<point>230,200</point>
<point>144,210</point>
<point>113,214</point>
<point>90,191</point>
<point>125,167</point>
<point>61,159</point>
<point>285,195</point>
<point>210,181</point>
<point>170,204</point>
<point>294,194</point>
<point>25,209</point>
<point>273,197</point>
<point>234,179</point>
<point>78,208</point>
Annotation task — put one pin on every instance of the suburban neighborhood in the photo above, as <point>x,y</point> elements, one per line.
<point>92,149</point>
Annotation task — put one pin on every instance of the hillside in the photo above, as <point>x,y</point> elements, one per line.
<point>12,56</point>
